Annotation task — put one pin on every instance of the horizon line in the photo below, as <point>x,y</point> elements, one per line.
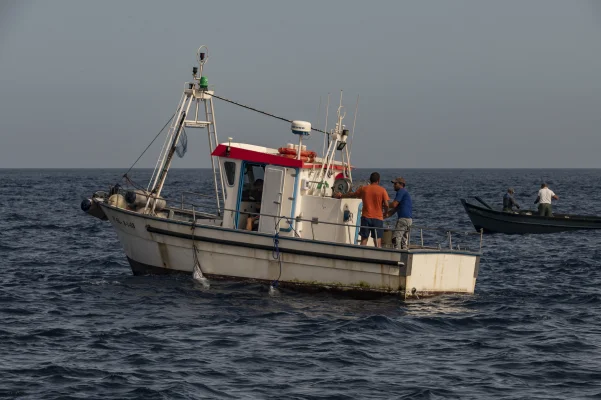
<point>355,168</point>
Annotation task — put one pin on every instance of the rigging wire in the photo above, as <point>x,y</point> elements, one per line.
<point>261,112</point>
<point>147,147</point>
<point>227,101</point>
<point>231,102</point>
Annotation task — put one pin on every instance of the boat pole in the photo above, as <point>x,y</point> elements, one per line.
<point>163,174</point>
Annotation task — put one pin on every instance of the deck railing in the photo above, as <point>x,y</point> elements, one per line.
<point>413,228</point>
<point>188,207</point>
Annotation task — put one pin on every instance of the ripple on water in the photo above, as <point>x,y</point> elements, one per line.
<point>77,324</point>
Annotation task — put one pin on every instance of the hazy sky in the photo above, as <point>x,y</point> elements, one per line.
<point>512,83</point>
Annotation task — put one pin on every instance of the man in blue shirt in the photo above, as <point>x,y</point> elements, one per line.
<point>401,205</point>
<point>509,202</point>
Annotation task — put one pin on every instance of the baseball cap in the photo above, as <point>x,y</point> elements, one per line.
<point>400,179</point>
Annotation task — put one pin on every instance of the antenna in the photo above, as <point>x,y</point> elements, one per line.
<point>340,106</point>
<point>202,56</point>
<point>318,111</point>
<point>339,126</point>
<point>325,129</point>
<point>350,151</point>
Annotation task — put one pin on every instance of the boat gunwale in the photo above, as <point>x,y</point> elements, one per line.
<point>286,238</point>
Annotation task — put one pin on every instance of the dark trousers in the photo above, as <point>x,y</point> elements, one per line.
<point>545,210</point>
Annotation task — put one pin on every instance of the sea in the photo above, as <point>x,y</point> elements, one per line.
<point>76,324</point>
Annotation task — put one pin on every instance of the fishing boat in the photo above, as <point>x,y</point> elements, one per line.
<point>275,218</point>
<point>489,220</point>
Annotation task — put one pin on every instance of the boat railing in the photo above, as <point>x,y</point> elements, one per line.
<point>448,233</point>
<point>197,194</point>
<point>179,205</point>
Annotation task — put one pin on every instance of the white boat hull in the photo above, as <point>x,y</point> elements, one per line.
<point>157,245</point>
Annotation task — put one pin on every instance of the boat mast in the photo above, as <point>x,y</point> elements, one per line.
<point>167,164</point>
<point>338,137</point>
<point>194,93</point>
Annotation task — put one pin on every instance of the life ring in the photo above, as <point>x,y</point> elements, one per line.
<point>302,158</point>
<point>305,153</point>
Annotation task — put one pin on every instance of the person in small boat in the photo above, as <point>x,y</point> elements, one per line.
<point>375,205</point>
<point>401,205</point>
<point>509,202</point>
<point>545,195</point>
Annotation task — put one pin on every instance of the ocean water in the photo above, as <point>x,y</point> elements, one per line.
<point>75,323</point>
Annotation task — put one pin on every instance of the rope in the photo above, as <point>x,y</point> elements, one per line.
<point>196,262</point>
<point>261,112</point>
<point>276,256</point>
<point>134,184</point>
<point>276,246</point>
<point>275,253</point>
<point>147,147</point>
<point>204,280</point>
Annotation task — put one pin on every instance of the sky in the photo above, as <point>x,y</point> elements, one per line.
<point>441,84</point>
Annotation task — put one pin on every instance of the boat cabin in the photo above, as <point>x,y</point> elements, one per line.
<point>292,193</point>
<point>291,189</point>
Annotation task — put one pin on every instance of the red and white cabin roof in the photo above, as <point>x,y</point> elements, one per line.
<point>266,155</point>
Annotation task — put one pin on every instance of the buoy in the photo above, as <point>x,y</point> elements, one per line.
<point>138,198</point>
<point>303,158</point>
<point>89,206</point>
<point>117,200</point>
<point>292,151</point>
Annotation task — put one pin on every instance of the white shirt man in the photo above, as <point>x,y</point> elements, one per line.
<point>545,195</point>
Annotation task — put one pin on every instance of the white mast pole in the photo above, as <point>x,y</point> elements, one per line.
<point>353,132</point>
<point>163,153</point>
<point>325,129</point>
<point>217,144</point>
<point>322,171</point>
<point>318,111</point>
<point>167,163</point>
<point>211,148</point>
<point>207,98</point>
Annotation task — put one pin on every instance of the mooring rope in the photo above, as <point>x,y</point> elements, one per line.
<point>276,256</point>
<point>203,278</point>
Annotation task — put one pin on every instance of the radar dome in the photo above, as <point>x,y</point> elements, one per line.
<point>301,128</point>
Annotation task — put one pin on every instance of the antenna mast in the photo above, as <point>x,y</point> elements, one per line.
<point>194,93</point>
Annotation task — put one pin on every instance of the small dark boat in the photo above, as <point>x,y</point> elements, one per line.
<point>495,221</point>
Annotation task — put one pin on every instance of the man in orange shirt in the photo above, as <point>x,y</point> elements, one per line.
<point>375,205</point>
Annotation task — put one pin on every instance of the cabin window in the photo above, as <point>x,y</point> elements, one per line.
<point>253,182</point>
<point>230,172</point>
